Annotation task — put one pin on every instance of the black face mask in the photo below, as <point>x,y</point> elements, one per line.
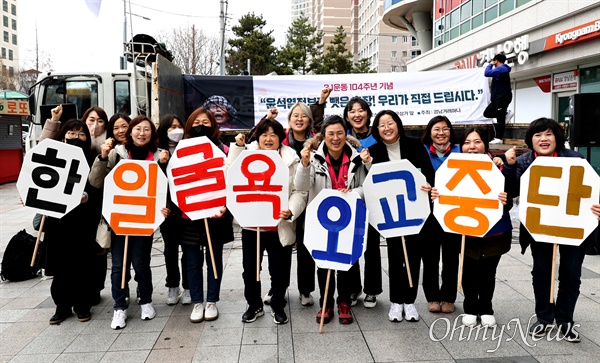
<point>75,142</point>
<point>200,130</point>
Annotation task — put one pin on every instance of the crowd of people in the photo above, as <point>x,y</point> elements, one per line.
<point>321,153</point>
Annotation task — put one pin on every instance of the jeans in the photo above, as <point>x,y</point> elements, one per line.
<point>345,284</point>
<point>170,231</point>
<point>569,280</point>
<point>497,109</point>
<point>138,255</point>
<point>280,264</point>
<point>432,240</point>
<point>400,290</point>
<point>195,261</point>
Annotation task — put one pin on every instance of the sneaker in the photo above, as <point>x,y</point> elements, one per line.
<point>509,116</point>
<point>434,307</point>
<point>395,313</point>
<point>488,321</point>
<point>119,320</point>
<point>186,298</point>
<point>328,315</point>
<point>267,298</point>
<point>197,315</point>
<point>211,312</point>
<point>173,296</point>
<point>279,316</point>
<point>148,312</point>
<point>469,320</point>
<point>84,316</point>
<point>370,301</point>
<point>447,307</point>
<point>569,334</point>
<point>345,313</point>
<point>539,329</point>
<point>496,141</point>
<point>306,300</point>
<point>410,312</point>
<point>251,314</point>
<point>354,297</point>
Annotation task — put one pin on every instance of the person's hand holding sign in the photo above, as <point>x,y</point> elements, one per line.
<point>365,156</point>
<point>305,153</point>
<point>163,157</point>
<point>596,210</point>
<point>106,147</point>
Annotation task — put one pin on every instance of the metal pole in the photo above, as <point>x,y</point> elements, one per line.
<point>222,40</point>
<point>124,57</point>
<point>248,66</point>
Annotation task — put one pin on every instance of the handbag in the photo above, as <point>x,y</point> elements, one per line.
<point>103,234</point>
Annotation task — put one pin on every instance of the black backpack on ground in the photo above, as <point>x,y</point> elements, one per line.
<point>17,258</point>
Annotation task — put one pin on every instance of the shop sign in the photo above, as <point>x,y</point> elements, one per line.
<point>515,50</point>
<point>566,81</point>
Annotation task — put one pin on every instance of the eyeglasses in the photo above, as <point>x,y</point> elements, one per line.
<point>296,116</point>
<point>332,135</point>
<point>75,134</point>
<point>389,125</point>
<point>443,129</point>
<point>140,129</point>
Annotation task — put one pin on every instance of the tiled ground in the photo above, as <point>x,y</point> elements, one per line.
<point>25,335</point>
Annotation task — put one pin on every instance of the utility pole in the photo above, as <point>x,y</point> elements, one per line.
<point>37,54</point>
<point>223,21</point>
<point>124,57</point>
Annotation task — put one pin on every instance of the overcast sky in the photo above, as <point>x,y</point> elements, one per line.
<point>77,40</point>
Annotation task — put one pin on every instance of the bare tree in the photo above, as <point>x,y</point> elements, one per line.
<point>194,51</point>
<point>31,69</point>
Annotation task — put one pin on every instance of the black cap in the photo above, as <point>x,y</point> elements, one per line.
<point>500,58</point>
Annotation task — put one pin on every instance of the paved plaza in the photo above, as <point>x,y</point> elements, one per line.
<point>26,307</point>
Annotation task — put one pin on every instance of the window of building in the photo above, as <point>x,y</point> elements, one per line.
<point>14,39</point>
<point>13,9</point>
<point>491,14</point>
<point>404,53</point>
<point>5,5</point>
<point>394,53</point>
<point>393,68</point>
<point>10,54</point>
<point>11,71</point>
<point>4,70</point>
<point>506,6</point>
<point>5,21</point>
<point>403,68</point>
<point>404,39</point>
<point>6,39</point>
<point>414,42</point>
<point>415,53</point>
<point>394,39</point>
<point>465,11</point>
<point>465,27</point>
<point>3,53</point>
<point>14,24</point>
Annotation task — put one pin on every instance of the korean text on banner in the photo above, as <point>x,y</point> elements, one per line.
<point>135,191</point>
<point>257,188</point>
<point>469,185</point>
<point>556,196</point>
<point>336,229</point>
<point>397,205</point>
<point>197,177</point>
<point>53,178</point>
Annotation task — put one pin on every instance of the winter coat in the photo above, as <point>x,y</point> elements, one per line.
<point>297,199</point>
<point>315,177</point>
<point>437,161</point>
<point>101,168</point>
<point>500,81</point>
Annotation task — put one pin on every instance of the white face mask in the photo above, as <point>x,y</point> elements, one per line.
<point>175,135</point>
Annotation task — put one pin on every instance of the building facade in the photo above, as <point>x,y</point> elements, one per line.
<point>388,49</point>
<point>553,47</point>
<point>301,8</point>
<point>10,46</point>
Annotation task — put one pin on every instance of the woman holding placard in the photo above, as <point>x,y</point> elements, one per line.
<point>439,141</point>
<point>141,144</point>
<point>71,242</point>
<point>482,254</point>
<point>392,144</point>
<point>170,132</point>
<point>545,137</point>
<point>277,241</point>
<point>193,234</point>
<point>334,164</point>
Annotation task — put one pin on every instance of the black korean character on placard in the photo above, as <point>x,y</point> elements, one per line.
<point>51,180</point>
